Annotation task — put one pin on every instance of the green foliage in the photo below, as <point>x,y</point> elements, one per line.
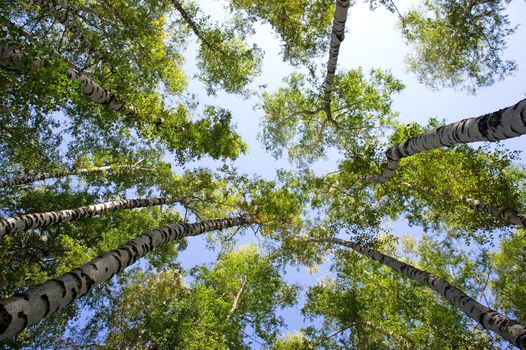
<point>296,122</point>
<point>135,50</point>
<point>228,63</point>
<point>303,26</point>
<point>277,205</point>
<point>370,306</point>
<point>225,306</point>
<point>439,199</point>
<point>292,341</point>
<point>509,285</point>
<point>458,43</point>
<point>33,257</point>
<point>224,59</point>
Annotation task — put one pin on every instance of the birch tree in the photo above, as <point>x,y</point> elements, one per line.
<point>296,122</point>
<point>16,181</point>
<point>444,199</point>
<point>303,26</point>
<point>191,136</point>
<point>500,125</point>
<point>220,45</point>
<point>19,312</point>
<point>337,36</point>
<point>458,43</point>
<point>41,220</point>
<point>510,330</point>
<point>143,107</point>
<point>368,305</point>
<point>16,60</point>
<point>172,310</point>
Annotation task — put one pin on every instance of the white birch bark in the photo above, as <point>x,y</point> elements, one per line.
<point>43,176</point>
<point>337,36</point>
<point>28,308</point>
<point>97,93</point>
<point>16,60</point>
<point>508,329</point>
<point>66,17</point>
<point>505,215</point>
<point>236,299</point>
<point>30,221</point>
<point>500,125</point>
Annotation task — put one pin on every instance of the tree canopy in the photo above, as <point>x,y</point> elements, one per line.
<point>123,146</point>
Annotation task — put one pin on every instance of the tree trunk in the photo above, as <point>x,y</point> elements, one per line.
<point>43,176</point>
<point>195,28</point>
<point>500,125</point>
<point>236,299</point>
<point>505,215</point>
<point>29,221</point>
<point>190,22</point>
<point>16,60</point>
<point>23,310</point>
<point>337,36</point>
<point>66,17</point>
<point>510,330</point>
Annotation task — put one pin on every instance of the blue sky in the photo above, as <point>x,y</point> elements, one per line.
<point>372,41</point>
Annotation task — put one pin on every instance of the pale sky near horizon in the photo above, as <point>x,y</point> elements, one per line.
<point>373,40</point>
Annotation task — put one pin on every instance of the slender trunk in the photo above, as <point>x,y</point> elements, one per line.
<point>190,22</point>
<point>16,60</point>
<point>337,36</point>
<point>505,215</point>
<point>236,299</point>
<point>500,125</point>
<point>66,17</point>
<point>510,330</point>
<point>30,221</point>
<point>23,310</point>
<point>43,176</point>
<point>195,28</point>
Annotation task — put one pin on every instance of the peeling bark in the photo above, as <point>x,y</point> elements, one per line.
<point>30,221</point>
<point>500,125</point>
<point>337,36</point>
<point>43,176</point>
<point>508,329</point>
<point>30,307</point>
